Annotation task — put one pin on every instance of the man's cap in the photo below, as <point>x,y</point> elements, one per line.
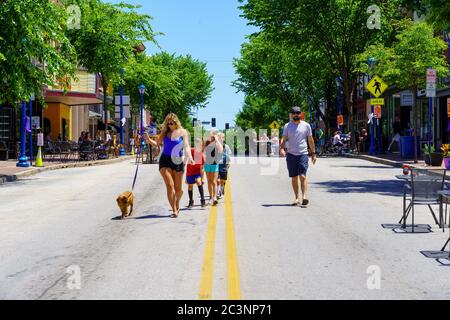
<point>296,109</point>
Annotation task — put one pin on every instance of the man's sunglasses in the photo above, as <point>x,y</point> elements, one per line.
<point>296,113</point>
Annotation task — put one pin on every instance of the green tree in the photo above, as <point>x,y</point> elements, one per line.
<point>177,84</point>
<point>438,13</point>
<point>108,37</point>
<point>35,51</point>
<point>336,29</point>
<point>405,63</point>
<point>282,75</point>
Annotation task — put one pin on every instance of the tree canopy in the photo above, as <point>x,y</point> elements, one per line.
<point>35,51</point>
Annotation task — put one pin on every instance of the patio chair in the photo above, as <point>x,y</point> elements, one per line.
<point>50,149</point>
<point>65,151</point>
<point>422,189</point>
<point>87,151</point>
<point>3,151</point>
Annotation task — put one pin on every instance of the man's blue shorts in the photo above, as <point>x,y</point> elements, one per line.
<point>192,179</point>
<point>297,165</point>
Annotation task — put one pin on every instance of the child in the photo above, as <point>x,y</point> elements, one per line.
<point>224,166</point>
<point>195,173</point>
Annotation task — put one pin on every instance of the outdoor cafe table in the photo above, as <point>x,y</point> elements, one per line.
<point>445,195</point>
<point>407,178</point>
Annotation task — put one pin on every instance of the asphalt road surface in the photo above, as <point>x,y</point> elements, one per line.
<point>60,237</point>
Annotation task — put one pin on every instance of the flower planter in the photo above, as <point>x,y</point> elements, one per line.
<point>447,163</point>
<point>436,159</point>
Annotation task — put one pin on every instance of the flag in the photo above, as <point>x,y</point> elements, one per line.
<point>27,124</point>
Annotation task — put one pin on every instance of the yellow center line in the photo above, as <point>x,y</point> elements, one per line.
<point>234,290</point>
<point>206,282</point>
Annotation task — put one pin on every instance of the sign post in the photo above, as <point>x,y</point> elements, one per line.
<point>431,93</point>
<point>376,87</point>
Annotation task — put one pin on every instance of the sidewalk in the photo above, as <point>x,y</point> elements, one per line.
<point>9,172</point>
<point>394,160</point>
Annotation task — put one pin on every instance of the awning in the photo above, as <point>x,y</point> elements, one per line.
<point>93,114</point>
<point>72,101</point>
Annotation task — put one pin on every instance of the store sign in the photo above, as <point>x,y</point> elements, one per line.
<point>377,112</point>
<point>126,112</point>
<point>125,100</point>
<point>448,107</point>
<point>406,99</point>
<point>377,102</point>
<point>431,83</point>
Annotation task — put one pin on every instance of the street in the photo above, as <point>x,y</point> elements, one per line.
<point>254,246</point>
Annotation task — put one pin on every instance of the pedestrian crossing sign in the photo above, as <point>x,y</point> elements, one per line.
<point>275,125</point>
<point>377,86</point>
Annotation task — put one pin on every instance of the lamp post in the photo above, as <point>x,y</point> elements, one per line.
<point>122,149</point>
<point>23,160</point>
<point>31,129</point>
<point>142,92</point>
<point>339,96</point>
<point>372,151</point>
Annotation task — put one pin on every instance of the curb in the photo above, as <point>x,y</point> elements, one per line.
<point>387,162</point>
<point>34,171</point>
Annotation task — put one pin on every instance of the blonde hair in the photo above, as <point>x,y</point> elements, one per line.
<point>165,126</point>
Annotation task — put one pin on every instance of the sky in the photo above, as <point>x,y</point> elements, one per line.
<point>209,30</point>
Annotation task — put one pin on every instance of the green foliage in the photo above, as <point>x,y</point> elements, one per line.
<point>32,30</point>
<point>177,84</point>
<point>108,36</point>
<point>427,150</point>
<point>438,13</point>
<point>322,40</point>
<point>406,62</point>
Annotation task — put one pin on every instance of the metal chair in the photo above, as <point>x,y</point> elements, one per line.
<point>422,189</point>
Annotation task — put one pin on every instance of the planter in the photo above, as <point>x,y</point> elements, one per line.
<point>447,163</point>
<point>436,159</point>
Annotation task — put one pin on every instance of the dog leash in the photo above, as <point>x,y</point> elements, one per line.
<point>137,165</point>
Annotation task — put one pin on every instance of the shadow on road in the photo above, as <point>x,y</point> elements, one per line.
<point>277,205</point>
<point>152,216</point>
<point>392,188</point>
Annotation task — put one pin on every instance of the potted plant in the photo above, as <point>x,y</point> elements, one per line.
<point>432,157</point>
<point>446,153</point>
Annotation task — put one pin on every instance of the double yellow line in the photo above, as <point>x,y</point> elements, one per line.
<point>206,282</point>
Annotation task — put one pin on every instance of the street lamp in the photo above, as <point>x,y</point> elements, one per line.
<point>371,62</point>
<point>122,149</point>
<point>339,81</point>
<point>23,160</point>
<point>142,92</point>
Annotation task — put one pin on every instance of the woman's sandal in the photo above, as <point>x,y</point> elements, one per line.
<point>296,203</point>
<point>174,215</point>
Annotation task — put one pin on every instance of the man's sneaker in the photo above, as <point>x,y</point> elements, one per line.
<point>191,204</point>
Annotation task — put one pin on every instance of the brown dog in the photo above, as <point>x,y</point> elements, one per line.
<point>126,200</point>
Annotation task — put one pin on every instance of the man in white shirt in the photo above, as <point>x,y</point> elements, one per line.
<point>299,135</point>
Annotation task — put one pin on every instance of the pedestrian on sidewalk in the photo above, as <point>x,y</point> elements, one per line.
<point>396,131</point>
<point>299,134</point>
<point>195,173</point>
<point>213,151</point>
<point>176,148</point>
<point>224,166</point>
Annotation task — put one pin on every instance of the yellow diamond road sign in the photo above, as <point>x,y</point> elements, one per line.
<point>275,125</point>
<point>376,86</point>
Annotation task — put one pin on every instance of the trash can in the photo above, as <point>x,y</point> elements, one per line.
<point>407,147</point>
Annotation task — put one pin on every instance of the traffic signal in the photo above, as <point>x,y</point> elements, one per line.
<point>194,122</point>
<point>227,126</point>
<point>213,122</point>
